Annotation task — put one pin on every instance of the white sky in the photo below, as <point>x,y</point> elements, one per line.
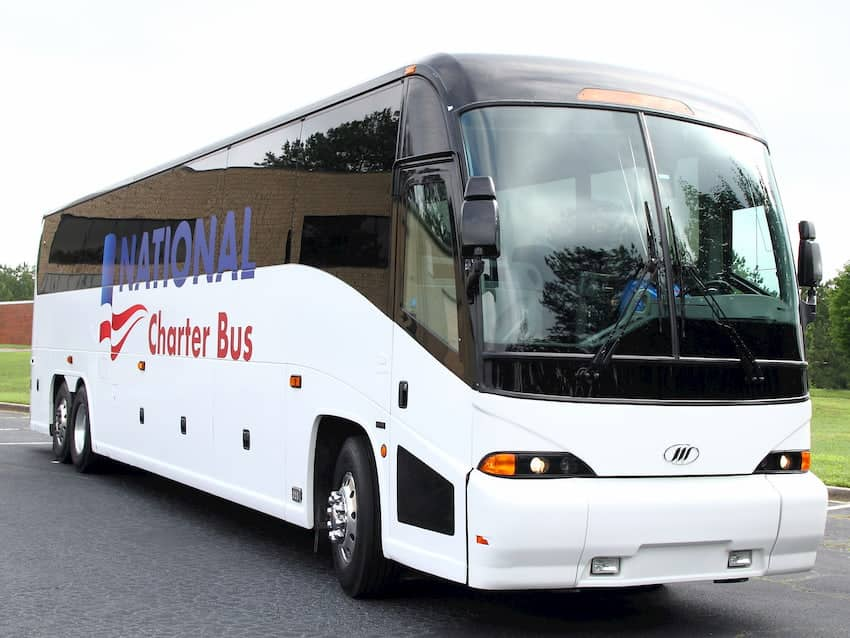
<point>92,92</point>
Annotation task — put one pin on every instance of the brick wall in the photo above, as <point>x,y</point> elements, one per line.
<point>16,322</point>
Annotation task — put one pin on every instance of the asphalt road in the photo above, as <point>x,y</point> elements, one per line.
<point>127,553</point>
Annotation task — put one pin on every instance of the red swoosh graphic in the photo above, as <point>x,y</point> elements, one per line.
<point>117,323</point>
<point>120,319</point>
<point>116,347</point>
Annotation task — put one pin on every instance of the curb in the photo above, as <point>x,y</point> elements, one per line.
<point>15,407</point>
<point>838,493</point>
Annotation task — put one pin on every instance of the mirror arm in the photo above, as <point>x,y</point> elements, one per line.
<point>473,270</point>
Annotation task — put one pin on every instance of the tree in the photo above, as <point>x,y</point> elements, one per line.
<point>829,364</point>
<point>839,309</point>
<point>16,283</point>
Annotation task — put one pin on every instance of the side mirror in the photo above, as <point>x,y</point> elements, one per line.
<point>480,219</point>
<point>809,272</point>
<point>809,268</point>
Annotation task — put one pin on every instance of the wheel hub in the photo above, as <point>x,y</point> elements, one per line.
<point>61,421</point>
<point>342,517</point>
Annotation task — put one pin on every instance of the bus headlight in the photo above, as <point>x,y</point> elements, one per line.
<point>534,464</point>
<point>778,462</point>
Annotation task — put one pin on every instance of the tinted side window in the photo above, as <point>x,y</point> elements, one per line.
<point>424,120</point>
<point>343,210</point>
<point>261,175</point>
<point>345,240</point>
<point>71,255</point>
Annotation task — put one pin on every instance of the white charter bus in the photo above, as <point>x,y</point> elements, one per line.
<point>515,322</point>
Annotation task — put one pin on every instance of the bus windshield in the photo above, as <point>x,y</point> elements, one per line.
<point>580,237</point>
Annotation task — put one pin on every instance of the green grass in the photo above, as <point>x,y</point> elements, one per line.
<point>831,436</point>
<point>15,377</point>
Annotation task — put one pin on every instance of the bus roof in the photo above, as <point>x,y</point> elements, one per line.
<point>477,79</point>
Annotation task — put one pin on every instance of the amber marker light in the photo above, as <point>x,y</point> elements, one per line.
<point>501,464</point>
<point>410,69</point>
<point>295,381</point>
<point>806,460</point>
<point>141,365</point>
<point>639,100</point>
<point>69,359</point>
<point>481,540</point>
<point>383,450</point>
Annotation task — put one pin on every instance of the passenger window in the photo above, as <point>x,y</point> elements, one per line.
<point>429,294</point>
<point>343,212</point>
<point>262,175</point>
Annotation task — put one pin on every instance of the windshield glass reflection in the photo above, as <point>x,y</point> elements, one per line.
<point>576,214</point>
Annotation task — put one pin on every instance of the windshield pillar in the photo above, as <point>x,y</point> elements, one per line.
<point>661,220</point>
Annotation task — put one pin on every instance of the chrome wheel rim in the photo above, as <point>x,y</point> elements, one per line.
<point>342,518</point>
<point>80,419</point>
<point>60,421</point>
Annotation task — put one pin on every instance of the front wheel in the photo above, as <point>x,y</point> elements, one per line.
<point>354,523</point>
<point>82,456</point>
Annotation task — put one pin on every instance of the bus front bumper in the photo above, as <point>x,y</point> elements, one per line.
<point>544,533</point>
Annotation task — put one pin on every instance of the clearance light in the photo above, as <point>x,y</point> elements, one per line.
<point>640,100</point>
<point>782,462</point>
<point>295,381</point>
<point>740,558</point>
<point>605,566</point>
<point>141,366</point>
<point>540,464</point>
<point>383,450</point>
<point>410,69</point>
<point>481,540</point>
<point>69,359</point>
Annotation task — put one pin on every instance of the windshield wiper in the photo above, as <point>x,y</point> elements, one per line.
<point>752,370</point>
<point>589,374</point>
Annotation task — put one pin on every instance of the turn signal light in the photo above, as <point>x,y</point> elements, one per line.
<point>295,381</point>
<point>534,464</point>
<point>499,464</point>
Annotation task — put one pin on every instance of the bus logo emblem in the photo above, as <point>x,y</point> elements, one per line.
<point>681,454</point>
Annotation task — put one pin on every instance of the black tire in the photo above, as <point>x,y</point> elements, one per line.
<point>61,418</point>
<point>364,572</point>
<point>82,456</point>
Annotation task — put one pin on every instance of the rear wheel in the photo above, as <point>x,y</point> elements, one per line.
<point>83,457</point>
<point>354,523</point>
<point>61,419</point>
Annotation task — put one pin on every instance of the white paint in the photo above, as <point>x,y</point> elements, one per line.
<point>833,508</point>
<point>9,429</point>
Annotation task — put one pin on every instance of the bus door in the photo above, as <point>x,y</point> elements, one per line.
<point>430,416</point>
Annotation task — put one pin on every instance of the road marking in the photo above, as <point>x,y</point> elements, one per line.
<point>8,429</point>
<point>29,443</point>
<point>830,509</point>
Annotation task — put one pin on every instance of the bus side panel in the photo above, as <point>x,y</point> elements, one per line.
<point>64,324</point>
<point>429,462</point>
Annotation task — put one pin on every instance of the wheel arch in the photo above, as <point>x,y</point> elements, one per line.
<point>330,432</point>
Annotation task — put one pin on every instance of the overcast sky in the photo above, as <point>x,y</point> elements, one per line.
<point>92,92</point>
